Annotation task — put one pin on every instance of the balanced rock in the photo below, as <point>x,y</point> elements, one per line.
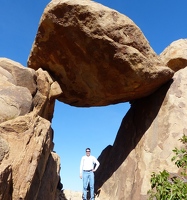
<point>97,55</point>
<point>148,133</point>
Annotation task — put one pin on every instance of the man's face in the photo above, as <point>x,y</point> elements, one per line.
<point>88,152</point>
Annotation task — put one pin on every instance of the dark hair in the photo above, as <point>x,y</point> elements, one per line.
<point>88,149</point>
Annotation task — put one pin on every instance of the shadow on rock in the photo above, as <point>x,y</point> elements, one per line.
<point>136,122</point>
<point>61,195</point>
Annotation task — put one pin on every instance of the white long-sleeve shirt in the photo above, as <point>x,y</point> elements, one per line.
<point>88,163</point>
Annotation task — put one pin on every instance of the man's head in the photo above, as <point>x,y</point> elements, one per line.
<point>88,151</point>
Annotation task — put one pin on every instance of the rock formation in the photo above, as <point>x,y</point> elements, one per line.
<point>148,133</point>
<point>26,138</point>
<point>13,82</point>
<point>86,54</point>
<point>97,55</point>
<point>175,56</point>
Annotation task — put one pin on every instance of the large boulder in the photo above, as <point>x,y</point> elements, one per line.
<point>21,76</point>
<point>14,101</point>
<point>148,133</point>
<point>17,85</point>
<point>175,55</point>
<point>97,55</point>
<point>27,160</point>
<point>29,140</point>
<point>23,89</point>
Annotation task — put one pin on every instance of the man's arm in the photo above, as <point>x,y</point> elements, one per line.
<point>81,166</point>
<point>96,164</point>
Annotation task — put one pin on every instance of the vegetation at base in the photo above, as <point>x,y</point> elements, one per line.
<point>169,186</point>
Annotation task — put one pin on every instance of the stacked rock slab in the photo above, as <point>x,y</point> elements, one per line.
<point>26,136</point>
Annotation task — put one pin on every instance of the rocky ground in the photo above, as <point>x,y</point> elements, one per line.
<point>72,195</point>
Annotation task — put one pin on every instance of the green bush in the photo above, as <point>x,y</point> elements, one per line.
<point>168,186</point>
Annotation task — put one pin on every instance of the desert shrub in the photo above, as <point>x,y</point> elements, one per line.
<point>169,186</point>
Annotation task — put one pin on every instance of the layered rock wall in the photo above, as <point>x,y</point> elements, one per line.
<point>26,136</point>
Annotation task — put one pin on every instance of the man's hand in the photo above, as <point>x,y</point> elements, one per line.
<point>81,176</point>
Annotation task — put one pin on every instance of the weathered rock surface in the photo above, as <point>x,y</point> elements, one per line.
<point>29,140</point>
<point>19,75</point>
<point>26,138</point>
<point>47,91</point>
<point>144,143</point>
<point>97,55</point>
<point>175,55</point>
<point>15,98</point>
<point>50,179</point>
<point>14,101</point>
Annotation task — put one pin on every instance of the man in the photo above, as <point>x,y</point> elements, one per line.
<point>88,166</point>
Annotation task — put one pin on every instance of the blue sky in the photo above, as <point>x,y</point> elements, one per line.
<point>161,21</point>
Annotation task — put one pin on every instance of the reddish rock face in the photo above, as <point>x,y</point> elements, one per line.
<point>97,55</point>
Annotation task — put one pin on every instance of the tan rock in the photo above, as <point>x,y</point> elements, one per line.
<point>73,195</point>
<point>30,142</point>
<point>149,132</point>
<point>47,91</point>
<point>6,76</point>
<point>97,55</point>
<point>14,101</point>
<point>17,84</point>
<point>23,76</point>
<point>4,148</point>
<point>175,55</point>
<point>26,137</point>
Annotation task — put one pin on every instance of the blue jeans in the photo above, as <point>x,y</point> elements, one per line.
<point>88,177</point>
